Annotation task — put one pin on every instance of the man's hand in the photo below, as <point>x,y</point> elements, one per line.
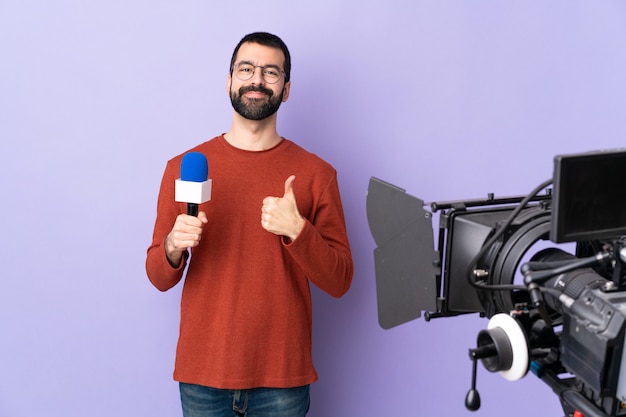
<point>280,215</point>
<point>185,233</point>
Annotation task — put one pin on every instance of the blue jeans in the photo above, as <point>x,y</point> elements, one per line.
<point>201,401</point>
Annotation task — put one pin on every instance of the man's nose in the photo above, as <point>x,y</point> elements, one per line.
<point>257,76</point>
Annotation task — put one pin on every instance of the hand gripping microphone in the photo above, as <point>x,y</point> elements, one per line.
<point>193,187</point>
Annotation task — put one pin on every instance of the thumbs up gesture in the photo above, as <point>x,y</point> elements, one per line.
<point>280,215</point>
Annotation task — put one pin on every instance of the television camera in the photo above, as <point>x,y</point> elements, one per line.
<point>565,321</point>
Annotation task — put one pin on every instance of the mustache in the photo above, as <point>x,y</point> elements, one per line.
<point>259,89</point>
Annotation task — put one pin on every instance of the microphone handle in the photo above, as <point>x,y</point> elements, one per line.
<point>192,209</point>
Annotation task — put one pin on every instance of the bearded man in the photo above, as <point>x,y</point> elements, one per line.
<point>274,224</point>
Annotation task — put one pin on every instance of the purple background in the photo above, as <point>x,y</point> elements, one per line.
<point>447,99</point>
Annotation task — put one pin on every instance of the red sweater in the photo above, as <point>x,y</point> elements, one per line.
<point>246,304</point>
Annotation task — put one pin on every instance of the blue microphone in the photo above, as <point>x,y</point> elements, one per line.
<point>193,187</point>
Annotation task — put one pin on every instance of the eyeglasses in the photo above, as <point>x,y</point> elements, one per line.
<point>271,73</point>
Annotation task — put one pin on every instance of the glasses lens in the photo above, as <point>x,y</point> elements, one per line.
<point>271,75</point>
<point>244,71</point>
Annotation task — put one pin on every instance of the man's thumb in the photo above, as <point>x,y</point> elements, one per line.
<point>289,186</point>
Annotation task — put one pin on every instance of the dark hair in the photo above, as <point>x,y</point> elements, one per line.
<point>265,39</point>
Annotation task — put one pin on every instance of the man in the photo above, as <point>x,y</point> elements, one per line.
<point>274,223</point>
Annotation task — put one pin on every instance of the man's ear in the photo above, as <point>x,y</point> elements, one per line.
<point>286,89</point>
<point>229,81</point>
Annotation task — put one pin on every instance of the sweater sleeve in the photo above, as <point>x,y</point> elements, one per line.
<point>322,248</point>
<point>160,272</point>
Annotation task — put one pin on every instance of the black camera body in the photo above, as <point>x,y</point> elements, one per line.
<point>559,313</point>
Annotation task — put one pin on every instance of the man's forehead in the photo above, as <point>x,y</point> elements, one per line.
<point>260,54</point>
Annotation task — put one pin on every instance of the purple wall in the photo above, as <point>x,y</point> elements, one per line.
<point>447,99</point>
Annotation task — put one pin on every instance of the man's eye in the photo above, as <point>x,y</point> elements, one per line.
<point>271,72</point>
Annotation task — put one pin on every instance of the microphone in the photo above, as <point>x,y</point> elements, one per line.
<point>193,187</point>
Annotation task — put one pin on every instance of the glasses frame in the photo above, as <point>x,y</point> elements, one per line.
<point>254,67</point>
